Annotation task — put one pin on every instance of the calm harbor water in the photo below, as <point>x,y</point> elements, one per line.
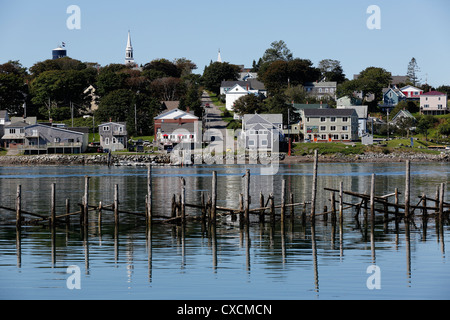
<point>226,262</point>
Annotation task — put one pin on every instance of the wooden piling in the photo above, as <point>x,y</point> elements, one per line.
<point>86,200</point>
<point>174,206</point>
<point>341,201</point>
<point>53,205</point>
<point>407,188</point>
<point>67,211</point>
<point>100,209</point>
<point>272,209</point>
<point>202,203</point>
<point>247,195</point>
<point>116,204</point>
<point>292,207</point>
<point>283,199</point>
<point>441,201</point>
<point>19,206</point>
<point>314,186</point>
<point>261,204</point>
<point>183,200</point>
<point>214,196</point>
<point>333,206</point>
<point>372,197</point>
<point>149,194</point>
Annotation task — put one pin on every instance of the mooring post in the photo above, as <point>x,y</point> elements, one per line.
<point>341,201</point>
<point>202,202</point>
<point>261,204</point>
<point>53,205</point>
<point>86,200</point>
<point>183,200</point>
<point>149,194</point>
<point>67,211</point>
<point>19,206</point>
<point>407,187</point>
<point>292,207</point>
<point>241,208</point>
<point>116,204</point>
<point>214,196</point>
<point>100,209</point>
<point>333,206</point>
<point>314,186</point>
<point>247,195</point>
<point>441,202</point>
<point>396,202</point>
<point>372,197</point>
<point>174,206</point>
<point>283,199</point>
<point>272,209</point>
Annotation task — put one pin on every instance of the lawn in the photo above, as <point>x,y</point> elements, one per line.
<point>328,148</point>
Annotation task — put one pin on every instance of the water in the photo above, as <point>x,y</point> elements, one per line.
<point>226,262</point>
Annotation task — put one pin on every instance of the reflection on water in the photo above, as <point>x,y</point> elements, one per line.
<point>199,261</point>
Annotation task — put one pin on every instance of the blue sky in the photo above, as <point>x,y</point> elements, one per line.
<point>196,29</point>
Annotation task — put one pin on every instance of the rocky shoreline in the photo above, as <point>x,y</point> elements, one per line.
<point>162,159</point>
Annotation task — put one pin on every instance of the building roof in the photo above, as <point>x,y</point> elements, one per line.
<point>111,122</point>
<point>433,93</point>
<point>330,112</point>
<point>361,111</point>
<point>170,105</point>
<point>330,84</point>
<point>263,117</point>
<point>303,106</point>
<point>176,114</point>
<point>402,114</point>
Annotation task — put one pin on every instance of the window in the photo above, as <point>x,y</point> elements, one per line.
<point>251,143</point>
<point>331,90</point>
<point>326,90</point>
<point>324,137</point>
<point>323,128</point>
<point>333,119</point>
<point>307,119</point>
<point>323,119</point>
<point>335,137</point>
<point>344,119</point>
<point>344,137</point>
<point>440,106</point>
<point>107,141</point>
<point>12,131</point>
<point>320,90</point>
<point>114,141</point>
<point>426,106</point>
<point>106,128</point>
<point>333,128</point>
<point>57,140</point>
<point>344,128</point>
<point>264,143</point>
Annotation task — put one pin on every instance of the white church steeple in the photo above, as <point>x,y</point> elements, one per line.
<point>219,57</point>
<point>129,60</point>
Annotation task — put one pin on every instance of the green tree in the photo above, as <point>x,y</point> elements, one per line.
<point>424,124</point>
<point>332,70</point>
<point>164,66</point>
<point>278,51</point>
<point>216,72</point>
<point>13,89</point>
<point>192,100</point>
<point>413,72</point>
<point>444,128</point>
<point>249,104</point>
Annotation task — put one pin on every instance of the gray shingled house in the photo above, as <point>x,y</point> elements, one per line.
<point>113,135</point>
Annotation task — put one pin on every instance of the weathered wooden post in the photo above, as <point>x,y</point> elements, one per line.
<point>53,205</point>
<point>241,208</point>
<point>202,202</point>
<point>341,201</point>
<point>86,200</point>
<point>292,207</point>
<point>116,204</point>
<point>441,202</point>
<point>247,195</point>
<point>283,200</point>
<point>100,209</point>
<point>174,206</point>
<point>407,188</point>
<point>272,209</point>
<point>396,202</point>
<point>183,200</point>
<point>261,204</point>
<point>333,207</point>
<point>67,211</point>
<point>314,186</point>
<point>372,197</point>
<point>19,206</point>
<point>214,196</point>
<point>149,194</point>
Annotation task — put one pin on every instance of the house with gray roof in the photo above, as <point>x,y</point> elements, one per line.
<point>113,135</point>
<point>321,90</point>
<point>330,125</point>
<point>262,132</point>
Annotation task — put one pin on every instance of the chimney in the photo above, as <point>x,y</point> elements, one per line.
<point>187,109</point>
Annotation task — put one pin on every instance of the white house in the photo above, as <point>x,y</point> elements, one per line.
<point>362,112</point>
<point>233,94</point>
<point>411,92</point>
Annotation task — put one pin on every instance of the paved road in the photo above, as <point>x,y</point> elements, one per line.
<point>213,118</point>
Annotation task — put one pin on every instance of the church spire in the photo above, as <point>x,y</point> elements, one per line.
<point>219,58</point>
<point>129,60</point>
